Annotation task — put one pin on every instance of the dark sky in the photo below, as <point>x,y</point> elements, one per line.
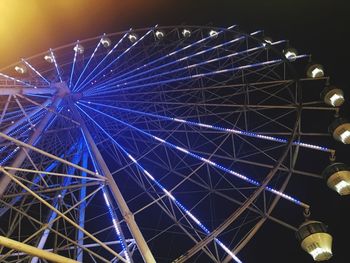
<point>318,27</point>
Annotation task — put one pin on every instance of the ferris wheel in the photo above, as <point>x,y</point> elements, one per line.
<point>163,144</point>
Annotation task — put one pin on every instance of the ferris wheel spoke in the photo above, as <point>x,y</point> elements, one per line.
<point>78,87</point>
<point>195,76</point>
<point>214,127</point>
<point>35,71</point>
<point>187,67</point>
<point>198,157</point>
<point>172,215</point>
<point>87,64</point>
<point>119,78</point>
<point>235,92</point>
<point>249,52</point>
<point>57,113</point>
<point>179,205</point>
<point>193,66</point>
<point>73,65</point>
<point>111,209</point>
<point>114,60</point>
<point>58,71</point>
<point>24,119</point>
<point>171,54</point>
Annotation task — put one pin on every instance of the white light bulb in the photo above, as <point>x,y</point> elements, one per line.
<point>317,73</point>
<point>335,98</point>
<point>290,55</point>
<point>345,136</point>
<point>339,187</point>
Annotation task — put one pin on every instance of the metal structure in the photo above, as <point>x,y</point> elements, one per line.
<point>160,144</point>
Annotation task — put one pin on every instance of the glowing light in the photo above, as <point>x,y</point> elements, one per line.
<point>315,240</point>
<point>340,129</point>
<point>317,73</point>
<point>333,96</point>
<point>319,252</point>
<point>132,37</point>
<point>337,176</point>
<point>49,58</point>
<point>186,33</point>
<point>159,34</point>
<point>182,207</point>
<point>268,40</point>
<point>336,99</point>
<point>37,72</point>
<point>194,155</point>
<point>21,69</point>
<point>291,54</point>
<point>106,42</point>
<point>213,33</point>
<point>345,136</point>
<point>79,48</point>
<point>341,186</point>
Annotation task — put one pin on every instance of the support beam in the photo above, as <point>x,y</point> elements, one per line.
<point>27,91</point>
<point>52,214</point>
<point>82,207</point>
<point>5,180</point>
<point>127,214</point>
<point>25,118</point>
<point>30,250</point>
<point>62,215</point>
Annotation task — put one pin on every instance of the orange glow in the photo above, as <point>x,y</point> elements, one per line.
<point>28,27</point>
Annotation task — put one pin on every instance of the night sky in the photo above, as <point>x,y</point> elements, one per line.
<point>320,28</point>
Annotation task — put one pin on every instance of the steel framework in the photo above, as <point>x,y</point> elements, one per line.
<point>159,144</point>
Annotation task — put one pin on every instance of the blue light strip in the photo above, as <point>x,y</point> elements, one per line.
<point>166,192</point>
<point>112,213</point>
<point>35,120</point>
<point>121,79</point>
<point>111,90</point>
<point>73,65</point>
<point>182,59</point>
<point>152,84</point>
<point>18,113</point>
<point>55,202</point>
<point>198,157</point>
<point>170,54</point>
<point>37,72</point>
<point>37,179</point>
<point>10,155</point>
<point>17,80</point>
<point>121,55</point>
<point>87,64</point>
<point>150,76</point>
<point>96,67</point>
<point>116,224</point>
<point>215,127</point>
<point>257,32</point>
<point>56,66</point>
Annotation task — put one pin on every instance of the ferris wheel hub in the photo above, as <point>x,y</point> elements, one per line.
<point>62,89</point>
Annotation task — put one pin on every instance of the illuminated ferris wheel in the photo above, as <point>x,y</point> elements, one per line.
<point>165,144</point>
